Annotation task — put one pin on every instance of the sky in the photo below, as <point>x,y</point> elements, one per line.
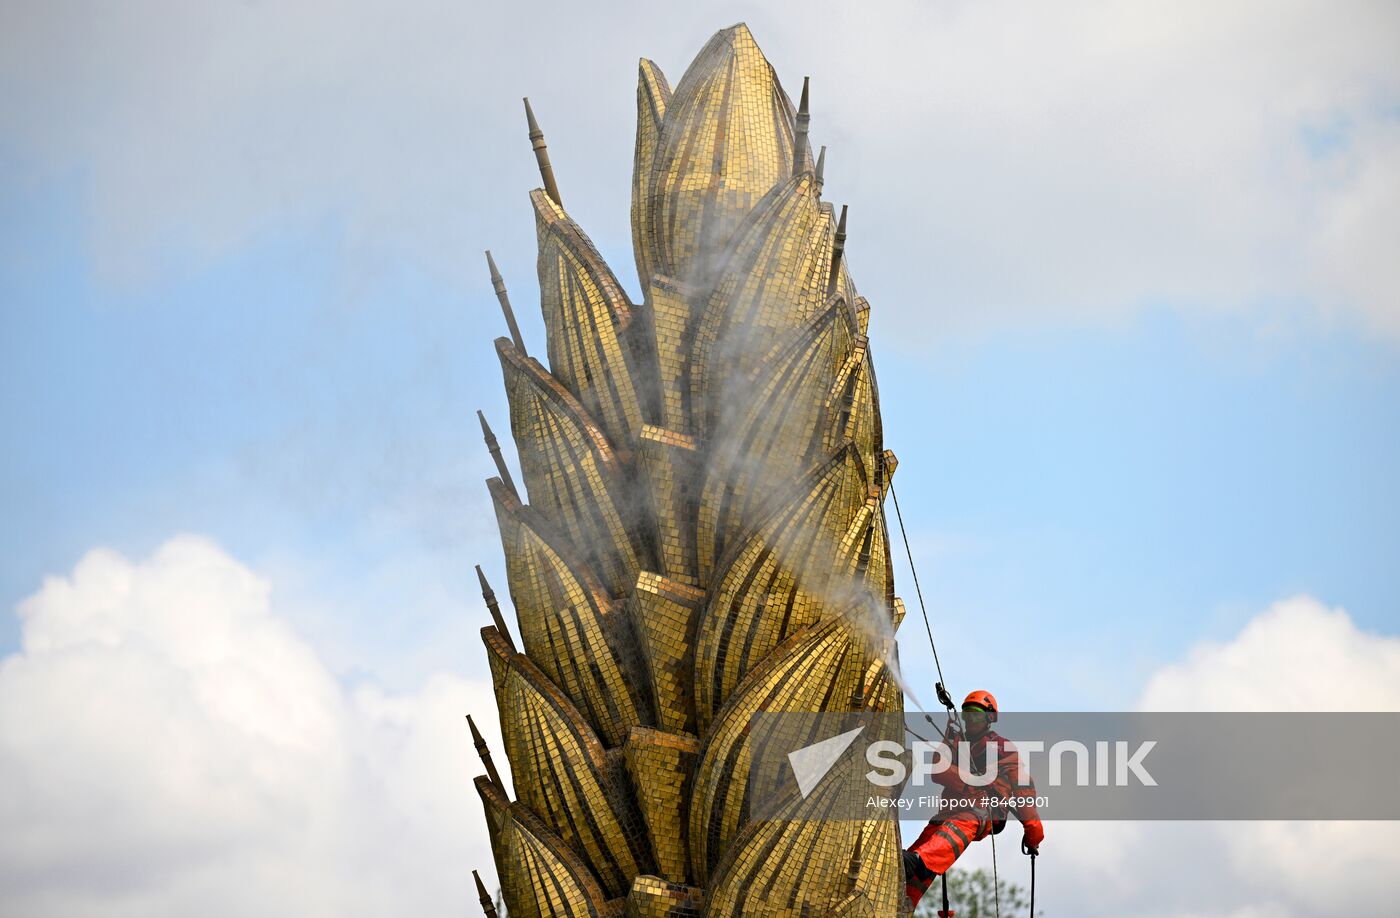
<point>1134,321</point>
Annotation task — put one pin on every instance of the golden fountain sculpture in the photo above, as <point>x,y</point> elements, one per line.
<point>704,537</point>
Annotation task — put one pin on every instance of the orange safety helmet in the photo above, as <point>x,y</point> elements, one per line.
<point>983,699</point>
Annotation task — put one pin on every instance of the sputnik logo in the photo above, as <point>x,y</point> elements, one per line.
<point>811,763</point>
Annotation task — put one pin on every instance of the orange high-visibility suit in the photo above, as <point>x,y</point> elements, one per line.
<point>946,837</point>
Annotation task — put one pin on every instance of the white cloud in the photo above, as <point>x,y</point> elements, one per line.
<point>168,746</point>
<point>1085,160</point>
<point>1060,161</point>
<point>1297,655</point>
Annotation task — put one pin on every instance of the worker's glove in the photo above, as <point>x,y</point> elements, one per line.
<point>1035,834</point>
<point>912,863</point>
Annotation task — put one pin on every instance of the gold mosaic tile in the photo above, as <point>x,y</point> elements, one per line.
<point>818,669</point>
<point>561,771</point>
<point>569,625</point>
<point>574,477</point>
<point>669,464</point>
<point>803,558</point>
<point>653,897</point>
<point>653,95</point>
<point>585,314</point>
<point>756,445</point>
<point>664,615</point>
<point>539,875</point>
<point>660,765</point>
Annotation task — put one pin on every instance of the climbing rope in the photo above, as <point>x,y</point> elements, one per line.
<point>943,695</point>
<point>1033,853</point>
<point>917,590</point>
<point>996,881</point>
<point>1033,886</point>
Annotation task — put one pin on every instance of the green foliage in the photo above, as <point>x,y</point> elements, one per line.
<point>971,895</point>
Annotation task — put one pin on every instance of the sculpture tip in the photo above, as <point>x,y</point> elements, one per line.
<point>800,158</point>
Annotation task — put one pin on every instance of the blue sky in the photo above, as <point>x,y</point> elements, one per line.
<point>1113,493</point>
<point>1136,311</point>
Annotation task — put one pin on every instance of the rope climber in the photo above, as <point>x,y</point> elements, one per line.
<point>971,819</point>
<point>948,835</point>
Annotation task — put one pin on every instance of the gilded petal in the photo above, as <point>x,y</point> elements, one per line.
<point>816,876</point>
<point>725,141</point>
<point>585,317</point>
<point>570,627</point>
<point>774,278</point>
<point>653,95</point>
<point>540,877</point>
<point>802,558</point>
<point>775,432</point>
<point>562,773</point>
<point>819,669</point>
<point>573,475</point>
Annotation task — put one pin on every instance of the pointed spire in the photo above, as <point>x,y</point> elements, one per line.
<point>500,284</point>
<point>487,905</point>
<point>494,449</point>
<point>484,751</point>
<point>542,155</point>
<point>799,146</point>
<point>489,595</point>
<point>821,167</point>
<point>837,252</point>
<point>853,868</point>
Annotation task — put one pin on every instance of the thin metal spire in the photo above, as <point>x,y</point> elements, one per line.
<point>542,155</point>
<point>853,868</point>
<point>799,146</point>
<point>487,904</point>
<point>489,595</point>
<point>500,284</point>
<point>837,251</point>
<point>484,751</point>
<point>494,449</point>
